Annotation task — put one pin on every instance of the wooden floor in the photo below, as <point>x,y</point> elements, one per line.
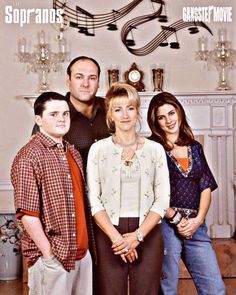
<point>186,287</point>
<point>15,287</point>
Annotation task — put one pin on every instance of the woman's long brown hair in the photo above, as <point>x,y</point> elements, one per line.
<point>186,136</point>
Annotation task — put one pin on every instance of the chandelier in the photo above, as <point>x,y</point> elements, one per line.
<point>43,60</point>
<point>223,57</point>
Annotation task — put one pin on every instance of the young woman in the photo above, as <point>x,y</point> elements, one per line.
<point>184,230</point>
<point>128,185</point>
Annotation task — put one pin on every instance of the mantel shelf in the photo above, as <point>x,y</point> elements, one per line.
<point>186,98</point>
<point>30,98</point>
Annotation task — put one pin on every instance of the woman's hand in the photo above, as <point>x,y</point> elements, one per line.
<point>129,243</point>
<point>130,256</point>
<point>120,246</point>
<point>187,227</point>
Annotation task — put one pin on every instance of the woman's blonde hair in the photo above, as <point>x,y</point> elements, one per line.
<point>119,91</point>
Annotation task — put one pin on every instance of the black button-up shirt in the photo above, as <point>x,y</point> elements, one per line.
<point>85,131</point>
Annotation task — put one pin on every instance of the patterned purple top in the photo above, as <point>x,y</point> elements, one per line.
<point>186,186</point>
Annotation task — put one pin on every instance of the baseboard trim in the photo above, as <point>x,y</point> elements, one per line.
<point>5,185</point>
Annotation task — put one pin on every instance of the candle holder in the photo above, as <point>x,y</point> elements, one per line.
<point>222,57</point>
<point>157,75</point>
<point>42,60</point>
<point>113,76</point>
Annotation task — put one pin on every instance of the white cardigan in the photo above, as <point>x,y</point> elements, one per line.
<point>103,179</point>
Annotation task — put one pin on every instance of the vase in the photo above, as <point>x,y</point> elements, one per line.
<point>10,252</point>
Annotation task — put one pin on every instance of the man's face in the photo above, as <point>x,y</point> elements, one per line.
<point>84,81</point>
<point>55,119</point>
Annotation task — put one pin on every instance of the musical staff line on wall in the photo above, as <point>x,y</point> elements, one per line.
<point>79,16</point>
<point>87,23</point>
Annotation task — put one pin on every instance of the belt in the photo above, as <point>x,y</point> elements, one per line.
<point>186,213</point>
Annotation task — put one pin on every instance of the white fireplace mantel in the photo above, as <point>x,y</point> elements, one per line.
<point>211,118</point>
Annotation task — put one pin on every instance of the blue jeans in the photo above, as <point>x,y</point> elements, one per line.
<point>199,258</point>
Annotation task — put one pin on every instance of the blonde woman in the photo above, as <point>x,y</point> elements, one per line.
<point>128,183</point>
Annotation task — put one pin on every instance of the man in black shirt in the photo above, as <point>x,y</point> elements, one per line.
<point>88,114</point>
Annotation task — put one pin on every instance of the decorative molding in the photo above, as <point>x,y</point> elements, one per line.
<point>207,100</point>
<point>186,98</point>
<point>196,98</point>
<point>5,185</point>
<point>219,117</point>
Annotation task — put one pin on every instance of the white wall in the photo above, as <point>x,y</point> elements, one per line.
<point>182,72</point>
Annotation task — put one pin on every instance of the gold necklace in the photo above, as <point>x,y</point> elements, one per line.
<point>128,160</point>
<point>126,157</point>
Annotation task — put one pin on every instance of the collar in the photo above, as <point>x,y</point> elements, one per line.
<point>48,142</point>
<point>99,105</point>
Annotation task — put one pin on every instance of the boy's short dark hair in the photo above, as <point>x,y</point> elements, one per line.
<point>39,105</point>
<point>83,57</point>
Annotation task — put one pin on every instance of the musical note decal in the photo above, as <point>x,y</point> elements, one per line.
<point>86,23</point>
<point>131,42</point>
<point>162,18</point>
<point>172,44</point>
<point>112,26</point>
<point>193,29</point>
<point>165,42</point>
<point>84,28</point>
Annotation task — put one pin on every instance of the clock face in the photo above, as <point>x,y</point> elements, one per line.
<point>134,76</point>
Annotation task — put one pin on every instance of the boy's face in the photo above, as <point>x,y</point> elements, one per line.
<point>55,119</point>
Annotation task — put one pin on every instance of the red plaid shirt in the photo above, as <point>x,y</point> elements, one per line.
<point>42,183</point>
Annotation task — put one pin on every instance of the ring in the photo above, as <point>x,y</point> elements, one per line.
<point>125,250</point>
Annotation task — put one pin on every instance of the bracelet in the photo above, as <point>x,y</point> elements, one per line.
<point>176,218</point>
<point>176,212</point>
<point>139,235</point>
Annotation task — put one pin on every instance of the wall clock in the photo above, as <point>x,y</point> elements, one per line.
<point>134,77</point>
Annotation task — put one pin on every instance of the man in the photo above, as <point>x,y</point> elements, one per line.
<point>52,206</point>
<point>88,114</point>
